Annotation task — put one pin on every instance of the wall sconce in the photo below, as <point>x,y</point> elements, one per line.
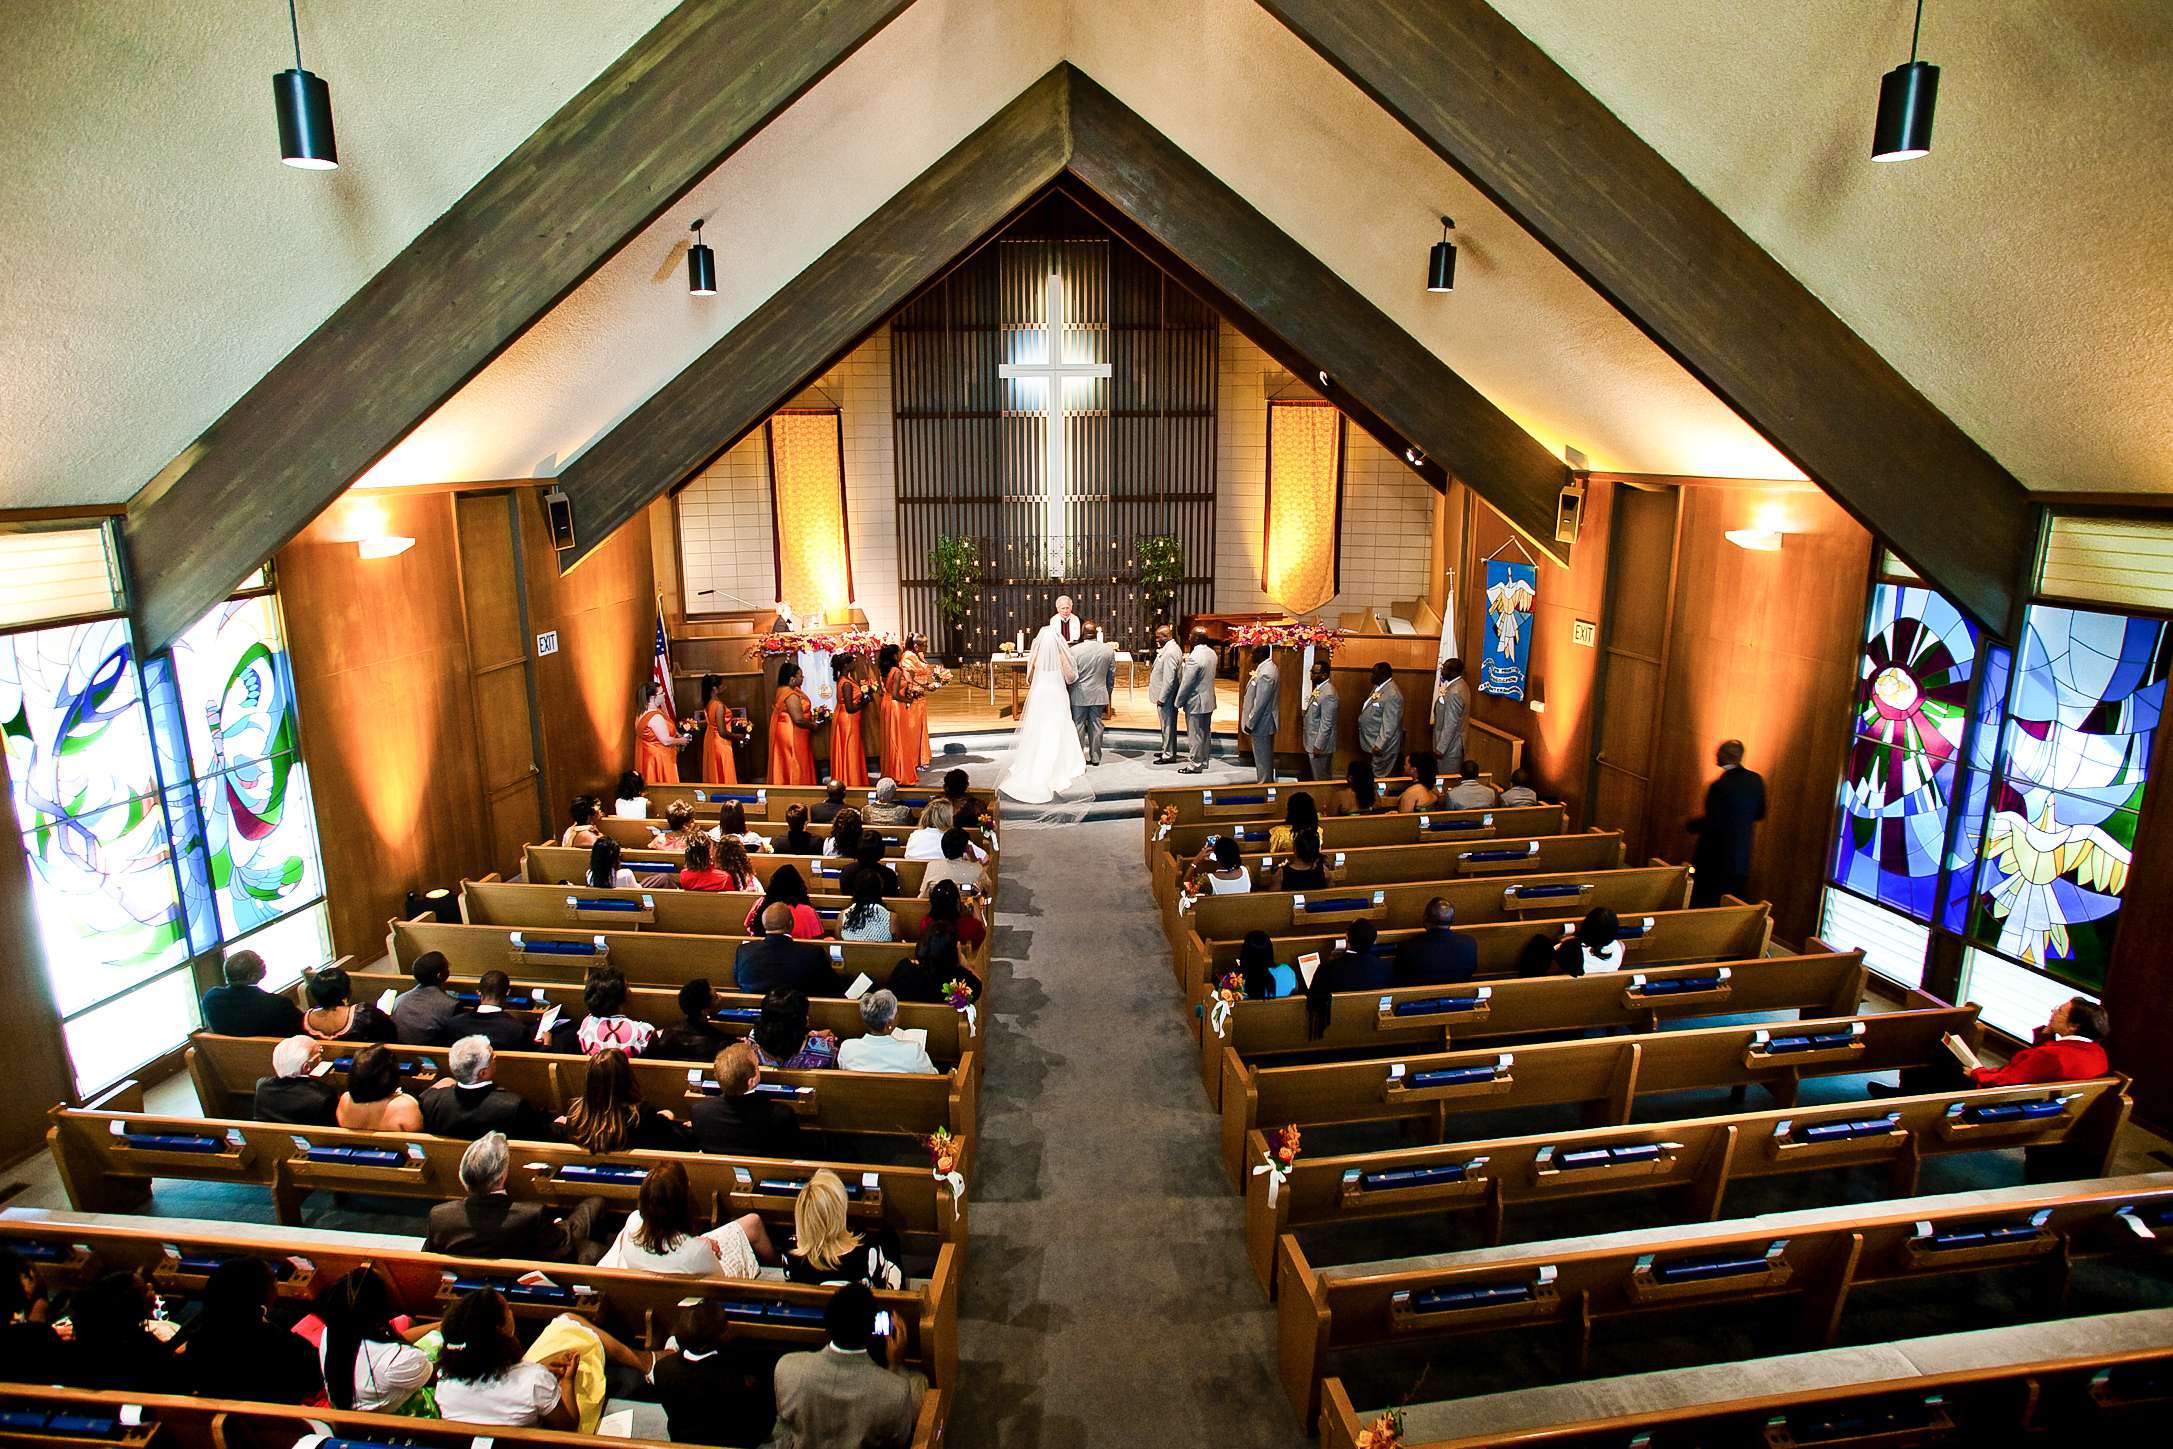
<point>1535,696</point>
<point>384,545</point>
<point>1757,540</point>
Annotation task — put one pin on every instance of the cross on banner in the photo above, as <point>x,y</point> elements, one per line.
<point>1054,373</point>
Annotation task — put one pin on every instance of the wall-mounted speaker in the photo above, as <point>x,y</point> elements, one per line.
<point>558,508</point>
<point>1568,513</point>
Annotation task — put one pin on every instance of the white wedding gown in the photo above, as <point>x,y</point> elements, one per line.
<point>1045,754</point>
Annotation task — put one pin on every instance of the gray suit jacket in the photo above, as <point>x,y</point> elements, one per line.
<point>1380,718</point>
<point>1320,720</point>
<point>830,1400</point>
<point>1094,673</point>
<point>1263,700</point>
<point>1196,686</point>
<point>1449,712</point>
<point>1169,662</point>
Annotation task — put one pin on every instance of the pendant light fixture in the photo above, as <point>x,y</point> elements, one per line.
<point>304,103</point>
<point>1907,97</point>
<point>1441,265</point>
<point>701,265</point>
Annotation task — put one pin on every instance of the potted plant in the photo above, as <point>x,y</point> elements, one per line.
<point>1161,570</point>
<point>955,565</point>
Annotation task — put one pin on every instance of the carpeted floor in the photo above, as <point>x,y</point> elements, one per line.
<point>1110,790</point>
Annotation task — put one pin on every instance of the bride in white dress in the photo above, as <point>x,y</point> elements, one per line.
<point>1045,754</point>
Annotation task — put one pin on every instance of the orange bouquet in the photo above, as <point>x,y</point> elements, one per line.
<point>1385,1432</point>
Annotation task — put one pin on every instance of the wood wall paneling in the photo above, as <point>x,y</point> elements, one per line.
<point>2139,978</point>
<point>37,1059</point>
<point>498,666</point>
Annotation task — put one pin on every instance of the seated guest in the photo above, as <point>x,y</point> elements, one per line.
<point>334,1015</point>
<point>1300,812</point>
<point>582,833</point>
<point>956,865</point>
<point>797,840</point>
<point>1305,870</point>
<point>732,825</point>
<point>489,1018</point>
<point>738,1123</point>
<point>374,1100</point>
<point>879,1048</point>
<point>292,1093</point>
<point>788,888</point>
<point>1257,967</point>
<point>1470,792</point>
<point>868,860</point>
<point>1423,793</point>
<point>827,808</point>
<point>1595,946</point>
<point>605,872</point>
<point>468,1103</point>
<point>946,911</point>
<point>1437,956</point>
<point>781,1038</point>
<point>826,1250</point>
<point>660,1235</point>
<point>955,786</point>
<point>483,1378</point>
<point>1229,876</point>
<point>709,1394</point>
<point>2067,1048</point>
<point>488,1223</point>
<point>112,1346</point>
<point>971,816</point>
<point>883,808</point>
<point>1359,794</point>
<point>609,1115</point>
<point>925,975</point>
<point>1520,791</point>
<point>1536,957</point>
<point>926,841</point>
<point>867,918</point>
<point>694,1037</point>
<point>678,827</point>
<point>1360,966</point>
<point>242,1007</point>
<point>368,1364</point>
<point>233,1349</point>
<point>847,830</point>
<point>423,1014</point>
<point>733,864</point>
<point>760,967</point>
<point>32,1351</point>
<point>632,801</point>
<point>839,1397</point>
<point>607,1024</point>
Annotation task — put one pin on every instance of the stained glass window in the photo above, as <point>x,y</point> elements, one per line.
<point>1975,794</point>
<point>1912,700</point>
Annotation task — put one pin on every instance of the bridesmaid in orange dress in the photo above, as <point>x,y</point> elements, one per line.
<point>892,713</point>
<point>848,749</point>
<point>656,743</point>
<point>792,736</point>
<point>922,679</point>
<point>717,764</point>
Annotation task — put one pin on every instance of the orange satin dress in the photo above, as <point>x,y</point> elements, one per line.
<point>792,749</point>
<point>896,762</point>
<point>657,763</point>
<point>717,765</point>
<point>848,750</point>
<point>923,678</point>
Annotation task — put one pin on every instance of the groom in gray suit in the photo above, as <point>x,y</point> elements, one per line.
<point>1169,662</point>
<point>1094,674</point>
<point>1262,703</point>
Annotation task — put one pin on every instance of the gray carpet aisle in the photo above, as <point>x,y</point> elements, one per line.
<point>1107,1299</point>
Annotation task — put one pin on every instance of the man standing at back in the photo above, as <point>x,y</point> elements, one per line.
<point>1263,703</point>
<point>1734,804</point>
<point>1094,674</point>
<point>1380,722</point>
<point>1196,695</point>
<point>1452,702</point>
<point>1169,663</point>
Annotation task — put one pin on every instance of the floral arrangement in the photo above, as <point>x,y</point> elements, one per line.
<point>739,729</point>
<point>817,716</point>
<point>1385,1432</point>
<point>958,995</point>
<point>1301,635</point>
<point>851,641</point>
<point>1229,991</point>
<point>1165,821</point>
<point>1276,1162</point>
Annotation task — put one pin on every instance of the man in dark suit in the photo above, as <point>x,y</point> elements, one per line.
<point>244,1008</point>
<point>1437,956</point>
<point>694,1037</point>
<point>1360,965</point>
<point>490,1020</point>
<point>422,1014</point>
<point>489,1224</point>
<point>1734,804</point>
<point>777,961</point>
<point>826,809</point>
<point>737,1124</point>
<point>468,1103</point>
<point>291,1094</point>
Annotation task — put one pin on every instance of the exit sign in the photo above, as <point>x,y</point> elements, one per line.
<point>1585,632</point>
<point>547,643</point>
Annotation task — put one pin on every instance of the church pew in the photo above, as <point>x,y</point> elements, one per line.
<point>2097,1380</point>
<point>225,1070</point>
<point>1802,1264</point>
<point>1733,931</point>
<point>565,865</point>
<point>769,802</point>
<point>108,1154</point>
<point>1604,1075</point>
<point>1450,834</point>
<point>1245,799</point>
<point>1443,859</point>
<point>1409,1018</point>
<point>639,835</point>
<point>1167,858</point>
<point>1697,1158</point>
<point>1251,810</point>
<point>949,1034</point>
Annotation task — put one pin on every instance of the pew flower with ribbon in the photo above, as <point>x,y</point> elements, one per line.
<point>943,1157</point>
<point>1165,822</point>
<point>1229,991</point>
<point>1385,1432</point>
<point>1276,1161</point>
<point>1288,636</point>
<point>958,996</point>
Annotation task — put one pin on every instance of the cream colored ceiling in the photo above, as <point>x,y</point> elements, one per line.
<point>163,259</point>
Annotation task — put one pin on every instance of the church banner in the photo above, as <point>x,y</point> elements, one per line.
<point>1510,589</point>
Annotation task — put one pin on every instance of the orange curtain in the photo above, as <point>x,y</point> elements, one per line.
<point>1304,504</point>
<point>807,494</point>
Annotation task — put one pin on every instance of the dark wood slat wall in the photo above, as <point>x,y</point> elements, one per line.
<point>972,456</point>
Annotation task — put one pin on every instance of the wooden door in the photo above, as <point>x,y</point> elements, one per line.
<point>1633,659</point>
<point>494,603</point>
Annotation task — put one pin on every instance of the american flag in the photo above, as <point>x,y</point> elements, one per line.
<point>660,671</point>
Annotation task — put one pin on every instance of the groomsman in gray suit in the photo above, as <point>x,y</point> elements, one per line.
<point>1380,722</point>
<point>1169,662</point>
<point>1196,696</point>
<point>1320,722</point>
<point>1452,703</point>
<point>1094,674</point>
<point>1257,715</point>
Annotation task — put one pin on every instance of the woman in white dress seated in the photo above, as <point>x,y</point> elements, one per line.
<point>1045,754</point>
<point>660,1236</point>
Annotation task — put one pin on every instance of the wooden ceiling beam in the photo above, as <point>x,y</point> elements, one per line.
<point>1490,102</point>
<point>682,99</point>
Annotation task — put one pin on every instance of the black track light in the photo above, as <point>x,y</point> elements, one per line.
<point>1907,96</point>
<point>1441,265</point>
<point>701,266</point>
<point>304,103</point>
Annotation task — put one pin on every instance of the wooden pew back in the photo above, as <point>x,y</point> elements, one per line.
<point>648,958</point>
<point>564,865</point>
<point>769,802</point>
